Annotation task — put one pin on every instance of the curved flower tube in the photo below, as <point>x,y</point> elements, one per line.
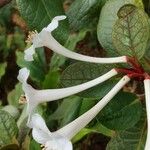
<point>70,130</point>
<point>45,38</point>
<point>35,97</point>
<point>60,139</point>
<point>147,94</point>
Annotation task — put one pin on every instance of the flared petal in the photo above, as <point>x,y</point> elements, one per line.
<point>37,41</point>
<point>40,131</point>
<point>42,135</point>
<point>54,23</point>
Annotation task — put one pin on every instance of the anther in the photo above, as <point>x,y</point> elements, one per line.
<point>22,99</point>
<point>31,36</point>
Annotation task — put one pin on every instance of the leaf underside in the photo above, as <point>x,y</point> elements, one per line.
<point>83,72</point>
<point>131,31</point>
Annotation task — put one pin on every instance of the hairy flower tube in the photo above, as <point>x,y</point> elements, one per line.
<point>35,97</point>
<point>45,38</point>
<point>147,94</point>
<point>60,139</point>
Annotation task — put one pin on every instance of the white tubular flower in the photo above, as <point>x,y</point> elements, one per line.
<point>60,139</point>
<point>147,94</point>
<point>70,130</point>
<point>35,97</point>
<point>45,38</point>
<point>36,39</point>
<point>50,141</point>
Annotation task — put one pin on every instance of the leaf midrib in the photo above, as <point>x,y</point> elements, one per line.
<point>131,42</point>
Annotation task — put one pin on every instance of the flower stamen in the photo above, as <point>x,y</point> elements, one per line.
<point>22,99</point>
<point>31,36</point>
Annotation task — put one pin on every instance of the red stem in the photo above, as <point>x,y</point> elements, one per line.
<point>126,71</point>
<point>134,62</point>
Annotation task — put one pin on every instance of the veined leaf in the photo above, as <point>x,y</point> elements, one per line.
<point>131,31</point>
<point>82,72</point>
<point>39,14</point>
<point>8,128</point>
<point>123,112</point>
<point>84,12</point>
<point>131,139</point>
<point>107,20</point>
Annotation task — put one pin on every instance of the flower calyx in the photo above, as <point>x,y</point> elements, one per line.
<point>136,71</point>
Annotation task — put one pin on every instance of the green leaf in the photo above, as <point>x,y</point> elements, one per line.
<point>39,14</point>
<point>82,72</point>
<point>14,95</point>
<point>37,67</point>
<point>107,20</point>
<point>8,128</point>
<point>67,111</point>
<point>51,79</point>
<point>2,69</point>
<point>131,139</point>
<point>86,104</point>
<point>131,31</point>
<point>123,112</point>
<point>84,12</point>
